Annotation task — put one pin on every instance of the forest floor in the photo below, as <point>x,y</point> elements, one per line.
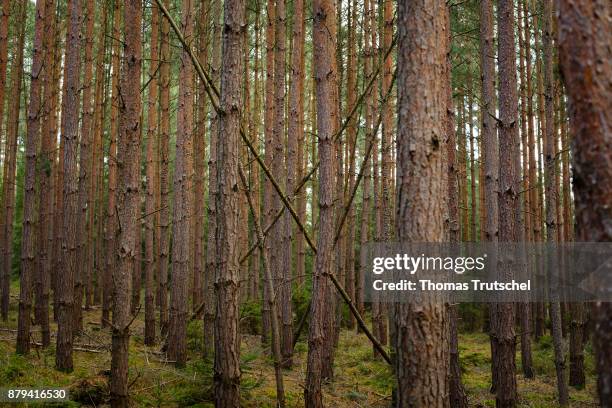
<point>360,380</point>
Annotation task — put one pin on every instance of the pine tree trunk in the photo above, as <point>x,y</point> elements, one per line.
<point>28,237</point>
<point>128,201</point>
<point>213,188</point>
<point>84,200</point>
<point>45,177</point>
<point>296,129</point>
<point>280,258</point>
<point>69,255</point>
<point>504,341</point>
<point>269,142</point>
<point>5,13</point>
<point>111,214</point>
<point>10,164</point>
<point>422,362</point>
<point>181,226</point>
<point>584,54</point>
<point>552,197</point>
<point>164,175</point>
<point>152,129</point>
<point>203,27</point>
<point>350,153</point>
<point>325,73</point>
<point>96,215</point>
<point>227,336</point>
<point>255,182</point>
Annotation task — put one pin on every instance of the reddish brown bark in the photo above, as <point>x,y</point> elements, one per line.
<point>584,55</point>
<point>325,72</point>
<point>164,159</point>
<point>422,99</point>
<point>28,238</point>
<point>9,166</point>
<point>69,260</point>
<point>150,265</point>
<point>182,209</point>
<point>227,336</point>
<point>128,199</point>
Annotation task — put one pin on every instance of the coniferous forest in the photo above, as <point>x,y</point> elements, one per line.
<point>188,188</point>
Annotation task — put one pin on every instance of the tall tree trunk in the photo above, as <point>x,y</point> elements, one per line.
<point>524,309</point>
<point>70,122</point>
<point>213,188</point>
<point>350,153</point>
<point>84,200</point>
<point>152,129</point>
<point>296,128</point>
<point>458,398</point>
<point>128,199</point>
<point>325,72</point>
<point>254,266</point>
<point>181,226</point>
<point>203,26</point>
<point>164,159</point>
<point>10,163</point>
<point>584,54</point>
<point>552,196</point>
<point>577,317</point>
<point>490,146</point>
<point>509,184</point>
<point>5,13</point>
<point>364,225</point>
<point>111,214</point>
<point>227,336</point>
<point>45,177</point>
<point>269,143</point>
<point>96,215</point>
<point>536,173</point>
<point>281,240</point>
<point>422,362</point>
<point>28,237</point>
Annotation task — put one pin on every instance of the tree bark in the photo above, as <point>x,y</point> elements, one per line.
<point>269,142</point>
<point>152,129</point>
<point>509,184</point>
<point>10,164</point>
<point>422,362</point>
<point>552,195</point>
<point>28,237</point>
<point>296,128</point>
<point>213,188</point>
<point>70,122</point>
<point>164,156</point>
<point>111,214</point>
<point>584,54</point>
<point>5,13</point>
<point>325,73</point>
<point>128,207</point>
<point>45,177</point>
<point>84,200</point>
<point>181,226</point>
<point>227,336</point>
